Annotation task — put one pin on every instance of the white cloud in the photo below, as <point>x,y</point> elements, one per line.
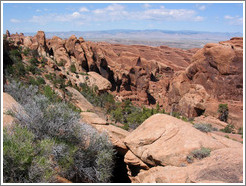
<point>236,20</point>
<point>38,10</point>
<point>228,17</point>
<point>201,7</point>
<point>75,17</point>
<point>15,20</point>
<point>163,14</point>
<point>83,9</point>
<point>110,8</point>
<point>76,14</point>
<point>198,18</point>
<point>117,12</point>
<point>146,5</point>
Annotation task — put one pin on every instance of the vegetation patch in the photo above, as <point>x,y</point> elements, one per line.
<point>203,127</point>
<point>223,112</point>
<point>198,154</point>
<point>51,135</point>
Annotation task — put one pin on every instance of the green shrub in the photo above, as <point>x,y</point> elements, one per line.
<point>223,112</point>
<point>201,153</point>
<point>240,131</point>
<point>79,151</point>
<point>40,80</point>
<point>33,69</point>
<point>62,63</point>
<point>15,53</point>
<point>203,127</point>
<point>19,69</point>
<point>228,128</point>
<point>73,68</point>
<point>18,152</point>
<point>26,51</point>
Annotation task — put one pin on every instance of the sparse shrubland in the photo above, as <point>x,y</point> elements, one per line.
<point>198,154</point>
<point>203,127</point>
<point>124,112</point>
<point>223,112</point>
<point>50,140</point>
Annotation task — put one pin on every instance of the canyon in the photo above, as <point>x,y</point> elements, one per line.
<point>191,83</point>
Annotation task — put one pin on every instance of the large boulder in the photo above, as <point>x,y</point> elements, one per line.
<point>116,136</point>
<point>165,140</point>
<point>92,118</point>
<point>9,105</point>
<point>79,100</point>
<point>222,166</point>
<point>96,79</point>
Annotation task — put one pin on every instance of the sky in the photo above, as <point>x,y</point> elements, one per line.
<point>63,17</point>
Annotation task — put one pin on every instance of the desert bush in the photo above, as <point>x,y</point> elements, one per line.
<point>62,63</point>
<point>201,153</point>
<point>15,53</point>
<point>20,92</point>
<point>73,68</point>
<point>25,159</point>
<point>228,128</point>
<point>80,152</point>
<point>26,51</point>
<point>18,152</point>
<point>223,112</point>
<point>95,162</point>
<point>203,127</point>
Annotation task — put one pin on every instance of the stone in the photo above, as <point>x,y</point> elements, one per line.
<point>92,118</point>
<point>79,100</point>
<point>165,140</point>
<point>116,136</point>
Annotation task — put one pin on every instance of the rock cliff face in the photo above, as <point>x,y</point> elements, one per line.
<point>191,82</point>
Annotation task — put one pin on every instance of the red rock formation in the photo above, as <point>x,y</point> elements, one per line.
<point>191,82</point>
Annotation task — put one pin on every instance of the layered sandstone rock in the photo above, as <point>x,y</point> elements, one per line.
<point>79,100</point>
<point>191,82</point>
<point>165,140</point>
<point>9,105</point>
<point>223,166</point>
<point>158,151</point>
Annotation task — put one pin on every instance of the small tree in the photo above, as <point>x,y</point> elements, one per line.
<point>223,112</point>
<point>73,68</point>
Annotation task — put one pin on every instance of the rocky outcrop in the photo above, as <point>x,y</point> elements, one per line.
<point>79,100</point>
<point>214,76</point>
<point>116,136</point>
<point>9,105</point>
<point>92,118</point>
<point>165,140</point>
<point>158,151</point>
<point>212,169</point>
<point>191,82</point>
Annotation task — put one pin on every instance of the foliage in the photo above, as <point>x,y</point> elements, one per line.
<point>62,63</point>
<point>15,53</point>
<point>223,112</point>
<point>73,68</point>
<point>228,128</point>
<point>201,153</point>
<point>203,127</point>
<point>26,51</point>
<point>198,154</point>
<point>38,81</point>
<point>18,152</point>
<point>79,151</point>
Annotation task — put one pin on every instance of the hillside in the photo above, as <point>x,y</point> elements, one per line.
<point>139,95</point>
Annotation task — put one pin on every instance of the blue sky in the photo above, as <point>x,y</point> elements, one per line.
<point>52,17</point>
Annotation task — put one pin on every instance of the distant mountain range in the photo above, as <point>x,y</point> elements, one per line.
<point>181,39</point>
